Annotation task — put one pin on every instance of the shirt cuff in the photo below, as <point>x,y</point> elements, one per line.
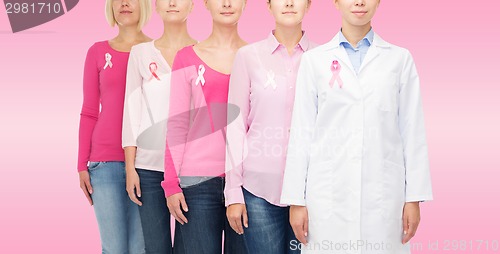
<point>290,201</point>
<point>234,196</point>
<point>82,166</point>
<point>422,198</point>
<point>170,188</point>
<point>129,143</point>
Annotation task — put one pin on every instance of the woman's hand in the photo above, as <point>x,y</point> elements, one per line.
<point>411,219</point>
<point>236,214</point>
<point>174,204</point>
<point>299,220</point>
<point>85,185</point>
<point>133,186</point>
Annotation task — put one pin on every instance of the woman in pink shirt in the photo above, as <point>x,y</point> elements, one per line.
<point>195,154</point>
<point>144,122</point>
<point>100,156</point>
<point>262,87</point>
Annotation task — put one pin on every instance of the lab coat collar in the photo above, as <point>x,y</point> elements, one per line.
<point>368,39</point>
<point>377,41</point>
<point>342,56</point>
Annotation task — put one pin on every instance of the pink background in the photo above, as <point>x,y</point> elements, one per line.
<point>455,45</point>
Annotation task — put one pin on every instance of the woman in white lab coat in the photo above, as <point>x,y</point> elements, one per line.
<point>357,164</point>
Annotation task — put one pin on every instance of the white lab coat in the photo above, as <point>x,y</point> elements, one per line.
<point>358,152</point>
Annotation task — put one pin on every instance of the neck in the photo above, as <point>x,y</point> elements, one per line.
<point>288,36</point>
<point>175,35</point>
<point>355,34</point>
<point>224,36</point>
<point>129,34</point>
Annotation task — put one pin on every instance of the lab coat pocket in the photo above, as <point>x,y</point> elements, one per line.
<point>387,90</point>
<point>394,183</point>
<point>319,191</point>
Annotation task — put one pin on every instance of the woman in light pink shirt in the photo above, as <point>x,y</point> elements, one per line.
<point>195,154</point>
<point>100,155</point>
<point>262,87</point>
<point>144,121</point>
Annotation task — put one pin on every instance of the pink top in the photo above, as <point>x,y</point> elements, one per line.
<point>146,106</point>
<point>102,110</point>
<point>263,87</point>
<point>197,117</point>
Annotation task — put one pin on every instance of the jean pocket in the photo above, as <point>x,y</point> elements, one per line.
<point>190,182</point>
<point>94,165</point>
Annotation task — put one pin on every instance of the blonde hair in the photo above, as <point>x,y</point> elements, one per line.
<point>145,6</point>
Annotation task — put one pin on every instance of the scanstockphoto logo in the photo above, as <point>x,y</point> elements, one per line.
<point>26,14</point>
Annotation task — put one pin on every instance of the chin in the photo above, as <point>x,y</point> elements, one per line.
<point>228,22</point>
<point>173,20</point>
<point>359,22</point>
<point>128,22</point>
<point>289,24</point>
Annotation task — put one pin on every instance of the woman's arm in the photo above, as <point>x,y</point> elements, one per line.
<point>132,110</point>
<point>412,130</point>
<point>132,107</point>
<point>239,96</point>
<point>90,108</point>
<point>177,131</point>
<point>177,124</point>
<point>88,119</point>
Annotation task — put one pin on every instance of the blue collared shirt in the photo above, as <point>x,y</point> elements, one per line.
<point>356,55</point>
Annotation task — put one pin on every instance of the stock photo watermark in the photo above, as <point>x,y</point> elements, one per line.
<point>438,246</point>
<point>26,14</point>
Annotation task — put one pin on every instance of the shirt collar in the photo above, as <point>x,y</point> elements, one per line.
<point>273,43</point>
<point>367,40</point>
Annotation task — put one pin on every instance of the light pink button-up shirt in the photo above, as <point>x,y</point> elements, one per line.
<point>262,86</point>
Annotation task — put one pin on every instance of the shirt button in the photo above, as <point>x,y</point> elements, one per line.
<point>289,70</point>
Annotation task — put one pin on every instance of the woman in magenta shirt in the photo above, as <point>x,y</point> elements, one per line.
<point>262,87</point>
<point>195,154</point>
<point>100,157</point>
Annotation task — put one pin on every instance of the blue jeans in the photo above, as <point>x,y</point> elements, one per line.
<point>207,221</point>
<point>118,217</point>
<point>269,230</point>
<point>155,216</point>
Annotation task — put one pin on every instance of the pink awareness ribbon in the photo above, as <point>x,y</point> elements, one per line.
<point>153,67</point>
<point>201,78</point>
<point>336,68</point>
<point>109,64</point>
<point>270,80</point>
